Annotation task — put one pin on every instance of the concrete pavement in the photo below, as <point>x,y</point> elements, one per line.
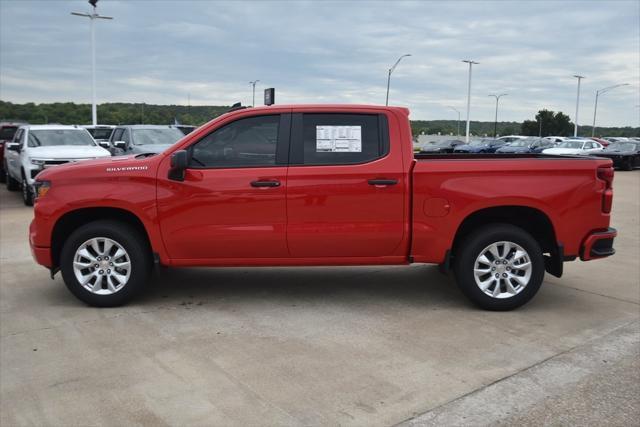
<point>311,346</point>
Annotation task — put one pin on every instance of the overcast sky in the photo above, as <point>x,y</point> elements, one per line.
<point>331,52</point>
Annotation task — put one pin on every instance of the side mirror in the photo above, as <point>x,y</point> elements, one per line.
<point>179,163</point>
<point>104,144</point>
<point>13,146</point>
<point>120,144</point>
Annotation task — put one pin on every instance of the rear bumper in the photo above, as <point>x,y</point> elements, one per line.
<point>598,245</point>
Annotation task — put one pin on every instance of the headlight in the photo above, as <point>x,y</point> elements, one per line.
<point>37,162</point>
<point>41,188</point>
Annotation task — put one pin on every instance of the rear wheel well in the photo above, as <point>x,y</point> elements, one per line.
<point>72,220</point>
<point>532,220</point>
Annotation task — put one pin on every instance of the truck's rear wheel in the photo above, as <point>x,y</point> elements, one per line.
<point>500,267</point>
<point>105,263</point>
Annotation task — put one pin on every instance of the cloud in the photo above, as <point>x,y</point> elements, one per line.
<point>164,52</point>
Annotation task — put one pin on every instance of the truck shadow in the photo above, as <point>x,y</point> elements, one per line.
<point>415,285</point>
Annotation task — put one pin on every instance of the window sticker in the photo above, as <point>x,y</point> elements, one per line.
<point>338,139</point>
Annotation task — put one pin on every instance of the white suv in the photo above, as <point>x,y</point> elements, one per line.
<point>36,147</point>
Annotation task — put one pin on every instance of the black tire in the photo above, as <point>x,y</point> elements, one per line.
<point>627,164</point>
<point>134,244</point>
<point>472,247</point>
<point>12,184</point>
<point>3,174</point>
<point>27,192</point>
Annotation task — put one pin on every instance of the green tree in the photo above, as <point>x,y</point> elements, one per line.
<point>548,123</point>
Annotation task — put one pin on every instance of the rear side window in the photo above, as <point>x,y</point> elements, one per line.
<point>248,142</point>
<point>339,139</point>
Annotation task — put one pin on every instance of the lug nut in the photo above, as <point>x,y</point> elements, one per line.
<point>99,259</point>
<point>106,258</point>
<point>111,264</point>
<point>101,272</point>
<point>497,275</point>
<point>96,266</point>
<point>108,271</point>
<point>504,262</point>
<point>492,268</point>
<point>504,274</point>
<point>508,269</point>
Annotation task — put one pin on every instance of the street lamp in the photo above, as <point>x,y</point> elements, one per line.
<point>470,62</point>
<point>595,108</point>
<point>495,123</point>
<point>458,122</point>
<point>389,75</point>
<point>253,83</point>
<point>93,16</point>
<point>575,125</point>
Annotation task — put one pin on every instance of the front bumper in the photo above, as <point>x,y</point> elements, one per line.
<point>598,245</point>
<point>42,255</point>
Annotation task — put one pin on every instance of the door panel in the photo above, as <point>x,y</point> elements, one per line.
<point>217,213</point>
<point>333,210</point>
<point>232,202</point>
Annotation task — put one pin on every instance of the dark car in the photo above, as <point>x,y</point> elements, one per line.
<point>442,146</point>
<point>186,129</point>
<point>138,139</point>
<point>625,155</point>
<point>525,145</point>
<point>485,145</point>
<point>7,130</point>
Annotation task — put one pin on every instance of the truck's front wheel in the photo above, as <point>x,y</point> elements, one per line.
<point>105,263</point>
<point>500,267</point>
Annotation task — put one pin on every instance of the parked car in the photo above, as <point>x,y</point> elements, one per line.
<point>526,145</point>
<point>186,129</point>
<point>510,138</point>
<point>616,139</point>
<point>555,138</point>
<point>35,148</point>
<point>625,155</point>
<point>101,134</point>
<point>442,146</point>
<point>137,139</point>
<point>575,146</point>
<point>485,145</point>
<point>7,130</point>
<point>320,185</point>
<point>602,141</point>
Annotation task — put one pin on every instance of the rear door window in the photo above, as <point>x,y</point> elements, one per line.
<point>338,138</point>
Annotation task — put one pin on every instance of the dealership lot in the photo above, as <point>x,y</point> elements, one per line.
<point>312,346</point>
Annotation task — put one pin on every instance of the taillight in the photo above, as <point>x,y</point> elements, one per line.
<point>605,173</point>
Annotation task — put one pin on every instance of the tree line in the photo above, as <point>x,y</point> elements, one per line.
<point>545,122</point>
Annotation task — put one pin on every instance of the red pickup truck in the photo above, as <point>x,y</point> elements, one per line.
<point>312,185</point>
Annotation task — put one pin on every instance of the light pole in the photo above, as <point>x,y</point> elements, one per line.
<point>575,125</point>
<point>93,16</point>
<point>253,83</point>
<point>595,108</point>
<point>458,122</point>
<point>495,123</point>
<point>470,62</point>
<point>389,75</point>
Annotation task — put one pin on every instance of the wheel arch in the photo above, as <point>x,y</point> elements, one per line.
<point>71,220</point>
<point>532,220</point>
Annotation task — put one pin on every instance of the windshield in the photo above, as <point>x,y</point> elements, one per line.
<point>621,146</point>
<point>50,137</point>
<point>101,133</point>
<point>7,132</point>
<point>166,136</point>
<point>571,144</point>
